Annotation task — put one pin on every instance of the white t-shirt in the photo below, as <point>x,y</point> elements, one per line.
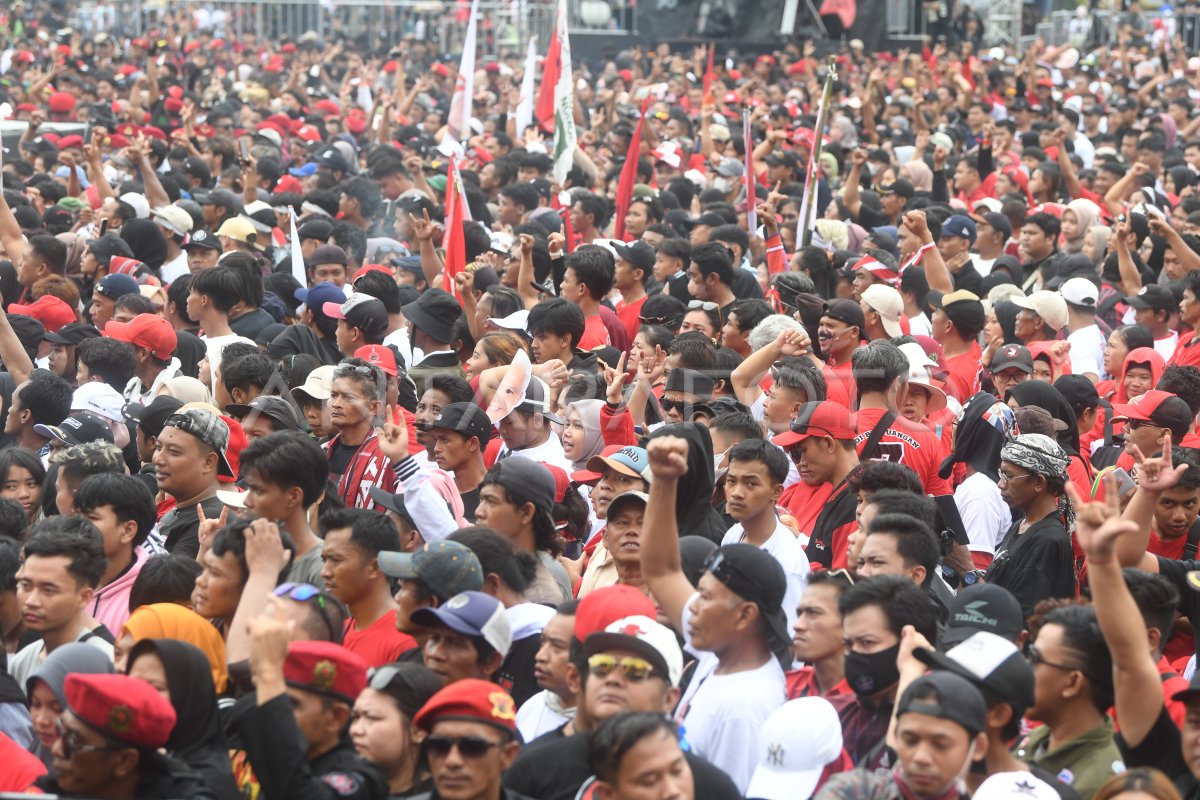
<point>549,452</point>
<point>1087,350</point>
<point>722,715</point>
<point>1165,347</point>
<point>984,513</point>
<point>542,713</point>
<point>785,548</point>
<point>920,325</point>
<point>982,265</point>
<point>26,661</point>
<point>214,347</point>
<point>175,268</point>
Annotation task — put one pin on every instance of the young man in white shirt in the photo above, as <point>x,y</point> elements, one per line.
<point>1083,334</point>
<point>735,623</point>
<point>753,484</point>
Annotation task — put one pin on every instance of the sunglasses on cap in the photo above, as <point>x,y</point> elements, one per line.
<point>722,568</point>
<point>302,593</point>
<point>634,669</point>
<point>703,304</point>
<point>468,746</point>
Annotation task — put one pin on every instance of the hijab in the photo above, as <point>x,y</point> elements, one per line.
<point>62,661</point>
<point>1086,214</point>
<point>593,437</point>
<point>76,244</point>
<point>1006,315</point>
<point>1137,356</point>
<point>188,390</point>
<point>1045,396</point>
<point>919,175</point>
<point>1100,235</point>
<point>985,425</point>
<point>147,242</point>
<point>1044,351</point>
<point>171,621</point>
<point>197,738</point>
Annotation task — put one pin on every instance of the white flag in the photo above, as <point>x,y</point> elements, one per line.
<point>525,107</point>
<point>564,102</point>
<point>464,87</point>
<point>298,271</point>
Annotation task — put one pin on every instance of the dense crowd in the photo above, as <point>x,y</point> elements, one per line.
<point>784,427</point>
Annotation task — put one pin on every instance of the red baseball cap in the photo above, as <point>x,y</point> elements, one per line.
<point>818,418</point>
<point>70,141</point>
<point>53,312</point>
<point>122,708</point>
<point>1158,408</point>
<point>309,133</point>
<point>327,106</point>
<point>602,607</point>
<point>364,269</point>
<point>470,699</point>
<point>561,481</point>
<point>145,330</point>
<point>325,668</point>
<point>288,183</point>
<point>379,356</point>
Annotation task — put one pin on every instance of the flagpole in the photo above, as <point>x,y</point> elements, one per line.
<point>808,206</point>
<point>748,142</point>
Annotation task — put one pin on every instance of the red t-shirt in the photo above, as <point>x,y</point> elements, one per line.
<point>963,380</point>
<point>839,384</point>
<point>21,768</point>
<point>595,334</point>
<point>1187,354</point>
<point>906,443</point>
<point>379,643</point>
<point>629,315</point>
<point>805,502</point>
<point>802,683</point>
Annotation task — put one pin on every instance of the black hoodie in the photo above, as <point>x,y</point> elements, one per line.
<point>693,504</point>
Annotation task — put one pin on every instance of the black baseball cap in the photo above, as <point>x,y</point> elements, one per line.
<point>152,416</point>
<point>899,186</point>
<point>992,664</point>
<point>1013,355</point>
<point>73,333</point>
<point>638,253</point>
<point>445,568</point>
<point>79,428</point>
<point>1078,391</point>
<point>998,222</point>
<point>844,310</point>
<point>274,407</point>
<point>464,418</point>
<point>332,159</point>
<point>945,695</point>
<point>525,481</point>
<point>755,576</point>
<point>983,607</point>
<point>320,229</point>
<point>203,239</point>
<point>1154,296</point>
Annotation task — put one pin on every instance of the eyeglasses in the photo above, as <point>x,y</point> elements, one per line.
<point>72,745</point>
<point>694,304</point>
<point>634,669</point>
<point>682,405</point>
<point>302,593</point>
<point>1136,424</point>
<point>654,320</point>
<point>1004,480</point>
<point>1035,658</point>
<point>468,746</point>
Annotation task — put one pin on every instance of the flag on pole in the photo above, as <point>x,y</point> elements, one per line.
<point>551,71</point>
<point>452,239</point>
<point>751,202</point>
<point>564,101</point>
<point>298,271</point>
<point>629,175</point>
<point>525,106</point>
<point>708,77</point>
<point>464,86</point>
<point>808,203</point>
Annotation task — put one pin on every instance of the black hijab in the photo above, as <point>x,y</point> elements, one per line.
<point>1006,315</point>
<point>1044,395</point>
<point>979,436</point>
<point>693,503</point>
<point>147,242</point>
<point>197,738</point>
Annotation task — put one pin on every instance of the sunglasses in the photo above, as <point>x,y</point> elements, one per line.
<point>634,669</point>
<point>302,593</point>
<point>468,746</point>
<point>702,304</point>
<point>71,743</point>
<point>654,320</point>
<point>667,405</point>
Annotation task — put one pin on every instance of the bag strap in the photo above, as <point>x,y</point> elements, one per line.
<point>1193,542</point>
<point>871,448</point>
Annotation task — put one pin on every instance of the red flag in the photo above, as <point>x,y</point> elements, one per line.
<point>629,175</point>
<point>456,246</point>
<point>708,77</point>
<point>551,72</point>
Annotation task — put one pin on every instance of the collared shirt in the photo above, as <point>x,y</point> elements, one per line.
<point>1085,762</point>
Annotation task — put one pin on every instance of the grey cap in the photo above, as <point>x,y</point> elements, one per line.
<point>208,428</point>
<point>274,407</point>
<point>445,568</point>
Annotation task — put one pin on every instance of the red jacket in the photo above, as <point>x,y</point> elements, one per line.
<point>368,467</point>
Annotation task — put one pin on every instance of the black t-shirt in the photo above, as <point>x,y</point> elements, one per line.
<point>1161,750</point>
<point>968,278</point>
<point>1036,565</point>
<point>555,767</point>
<point>180,527</point>
<point>516,673</point>
<point>340,461</point>
<point>470,503</point>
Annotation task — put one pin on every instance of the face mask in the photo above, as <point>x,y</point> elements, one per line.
<point>718,460</point>
<point>871,673</point>
<point>42,363</point>
<point>721,184</point>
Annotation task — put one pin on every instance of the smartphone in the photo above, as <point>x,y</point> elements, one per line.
<point>103,227</point>
<point>245,146</point>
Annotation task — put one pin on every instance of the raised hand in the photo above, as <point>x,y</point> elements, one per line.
<point>668,457</point>
<point>393,436</point>
<point>616,381</point>
<point>793,342</point>
<point>1157,474</point>
<point>209,527</point>
<point>1098,526</point>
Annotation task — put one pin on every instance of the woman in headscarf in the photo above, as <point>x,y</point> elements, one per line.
<point>147,242</point>
<point>381,725</point>
<point>1048,365</point>
<point>982,430</point>
<point>171,621</point>
<point>1121,342</point>
<point>918,173</point>
<point>999,329</point>
<point>1045,396</point>
<point>76,244</point>
<point>181,672</point>
<point>1178,179</point>
<point>1139,374</point>
<point>186,390</point>
<point>46,690</point>
<point>1034,560</point>
<point>1095,244</point>
<point>582,437</point>
<point>1079,216</point>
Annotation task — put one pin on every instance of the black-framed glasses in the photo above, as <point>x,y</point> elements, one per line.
<point>302,593</point>
<point>1035,658</point>
<point>468,746</point>
<point>633,668</point>
<point>653,320</point>
<point>682,405</point>
<point>71,743</point>
<point>1136,424</point>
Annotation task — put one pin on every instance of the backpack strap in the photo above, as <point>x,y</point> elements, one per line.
<point>871,448</point>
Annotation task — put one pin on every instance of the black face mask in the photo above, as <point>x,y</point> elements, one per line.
<point>870,673</point>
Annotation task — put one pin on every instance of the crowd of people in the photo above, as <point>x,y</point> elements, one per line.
<point>351,453</point>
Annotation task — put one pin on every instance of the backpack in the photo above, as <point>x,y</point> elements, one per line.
<point>1106,455</point>
<point>1110,307</point>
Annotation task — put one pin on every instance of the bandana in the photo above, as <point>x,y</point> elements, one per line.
<point>1041,455</point>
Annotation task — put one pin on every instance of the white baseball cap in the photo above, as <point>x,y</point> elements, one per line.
<point>919,365</point>
<point>647,637</point>
<point>1079,292</point>
<point>1048,305</point>
<point>175,219</point>
<point>796,742</point>
<point>1012,785</point>
<point>888,303</point>
<point>100,399</point>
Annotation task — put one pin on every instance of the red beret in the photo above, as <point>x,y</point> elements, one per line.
<point>173,105</point>
<point>470,699</point>
<point>205,130</point>
<point>217,44</point>
<point>61,102</point>
<point>191,47</point>
<point>274,64</point>
<point>441,69</point>
<point>288,48</point>
<point>325,668</point>
<point>118,141</point>
<point>602,607</point>
<point>26,107</point>
<point>153,132</point>
<point>49,310</point>
<point>24,57</point>
<point>175,91</point>
<point>364,269</point>
<point>122,708</point>
<point>626,75</point>
<point>73,140</point>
